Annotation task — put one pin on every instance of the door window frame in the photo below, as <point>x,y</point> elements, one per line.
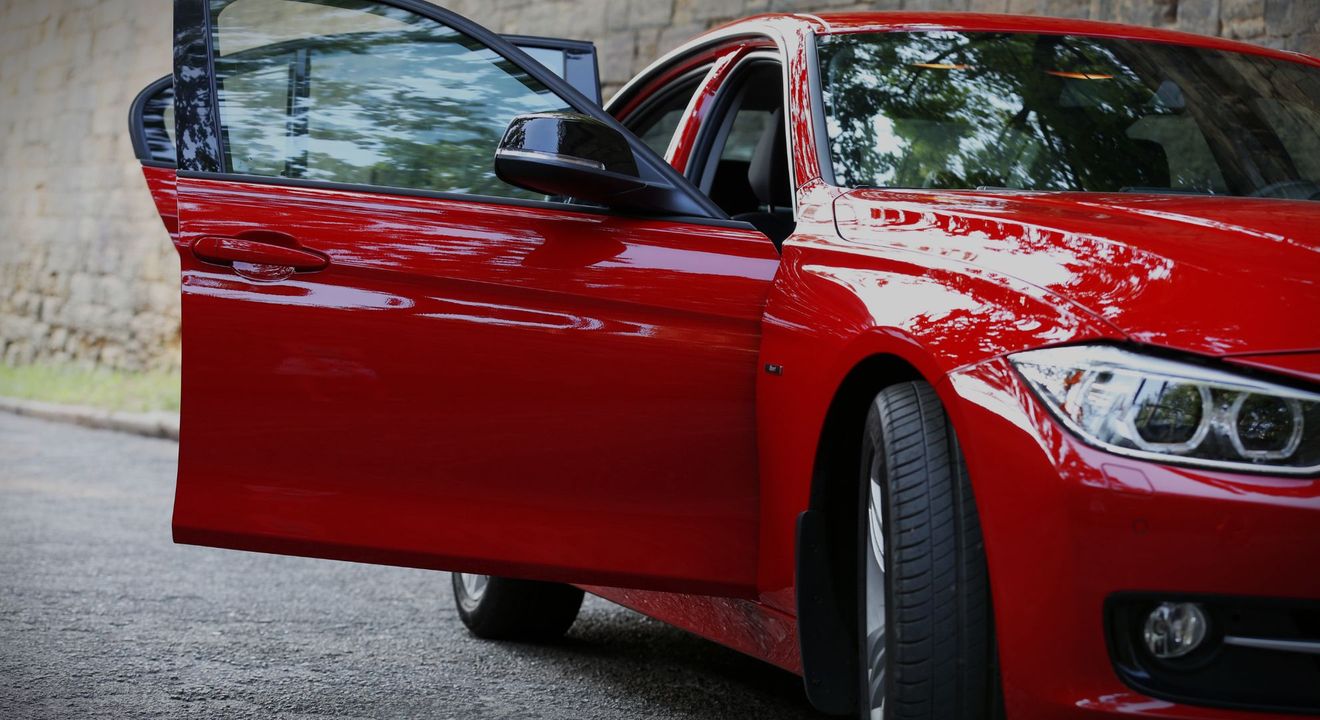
<point>716,123</point>
<point>197,108</point>
<point>580,69</point>
<point>727,50</point>
<point>698,76</point>
<point>145,139</point>
<point>580,62</point>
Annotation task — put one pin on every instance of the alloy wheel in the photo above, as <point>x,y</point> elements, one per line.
<point>874,597</point>
<point>473,588</point>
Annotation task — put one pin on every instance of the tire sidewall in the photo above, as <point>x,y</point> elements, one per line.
<point>938,623</point>
<point>873,461</point>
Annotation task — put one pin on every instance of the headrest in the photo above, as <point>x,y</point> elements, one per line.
<point>768,170</point>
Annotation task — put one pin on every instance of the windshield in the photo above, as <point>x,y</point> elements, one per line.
<point>955,110</point>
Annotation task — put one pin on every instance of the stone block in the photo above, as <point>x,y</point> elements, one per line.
<point>708,10</point>
<point>1287,17</point>
<point>648,47</point>
<point>1199,16</point>
<point>633,14</point>
<point>19,352</point>
<point>675,35</point>
<point>1068,8</point>
<point>1308,43</point>
<point>1243,19</point>
<point>616,54</point>
<point>1151,13</point>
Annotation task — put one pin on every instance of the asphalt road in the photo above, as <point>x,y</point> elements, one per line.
<point>102,616</point>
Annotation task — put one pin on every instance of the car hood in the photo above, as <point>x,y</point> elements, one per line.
<point>1212,275</point>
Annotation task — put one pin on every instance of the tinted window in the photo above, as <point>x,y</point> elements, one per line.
<point>656,125</point>
<point>358,92</point>
<point>549,57</point>
<point>744,125</point>
<point>749,124</point>
<point>153,136</point>
<point>1042,112</point>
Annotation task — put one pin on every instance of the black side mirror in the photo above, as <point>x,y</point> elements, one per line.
<point>573,155</point>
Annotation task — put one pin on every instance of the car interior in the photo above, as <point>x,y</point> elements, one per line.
<point>744,147</point>
<point>656,121</point>
<point>746,153</point>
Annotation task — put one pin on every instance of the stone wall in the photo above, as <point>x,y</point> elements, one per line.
<point>629,34</point>
<point>87,273</point>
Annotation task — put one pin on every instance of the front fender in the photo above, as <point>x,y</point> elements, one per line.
<point>833,306</point>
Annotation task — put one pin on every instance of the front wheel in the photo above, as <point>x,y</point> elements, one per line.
<point>496,608</point>
<point>924,598</point>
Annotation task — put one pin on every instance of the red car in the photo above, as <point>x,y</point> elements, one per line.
<point>964,364</point>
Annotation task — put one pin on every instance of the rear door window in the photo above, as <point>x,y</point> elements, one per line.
<point>656,122</point>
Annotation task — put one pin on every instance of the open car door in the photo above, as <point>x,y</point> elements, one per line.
<point>390,355</point>
<point>151,117</point>
<point>151,128</point>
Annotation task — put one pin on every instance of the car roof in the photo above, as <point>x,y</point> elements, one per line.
<point>842,23</point>
<point>776,25</point>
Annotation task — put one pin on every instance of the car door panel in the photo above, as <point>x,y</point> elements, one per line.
<point>566,395</point>
<point>150,125</point>
<point>160,183</point>
<point>496,385</point>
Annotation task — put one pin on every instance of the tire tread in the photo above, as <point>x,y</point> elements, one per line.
<point>939,618</point>
<point>521,610</point>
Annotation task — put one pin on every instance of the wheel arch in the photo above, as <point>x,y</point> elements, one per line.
<point>827,530</point>
<point>850,324</point>
<point>847,409</point>
<point>826,534</point>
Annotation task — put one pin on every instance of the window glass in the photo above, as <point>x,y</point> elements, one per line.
<point>352,91</point>
<point>549,57</point>
<point>261,138</point>
<point>657,125</point>
<point>745,122</point>
<point>1052,112</point>
<point>158,125</point>
<point>748,126</point>
<point>1301,124</point>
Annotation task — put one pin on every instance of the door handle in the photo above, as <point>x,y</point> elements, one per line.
<point>229,250</point>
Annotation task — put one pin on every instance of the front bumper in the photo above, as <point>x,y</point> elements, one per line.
<point>1069,528</point>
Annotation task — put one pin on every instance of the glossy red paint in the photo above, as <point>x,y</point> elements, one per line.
<point>702,103</point>
<point>1303,365</point>
<point>577,396</point>
<point>947,283</point>
<point>160,182</point>
<point>1131,262</point>
<point>744,625</point>
<point>1044,495</point>
<point>354,412</point>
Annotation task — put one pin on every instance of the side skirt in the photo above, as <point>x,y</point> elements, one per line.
<point>743,625</point>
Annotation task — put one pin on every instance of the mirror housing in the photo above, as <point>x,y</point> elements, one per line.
<point>573,155</point>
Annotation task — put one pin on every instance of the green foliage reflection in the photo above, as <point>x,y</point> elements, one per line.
<point>1049,112</point>
<point>409,104</point>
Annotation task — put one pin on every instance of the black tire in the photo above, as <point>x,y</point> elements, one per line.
<point>519,610</point>
<point>936,650</point>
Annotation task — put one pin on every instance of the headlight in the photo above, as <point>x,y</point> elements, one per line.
<point>1169,411</point>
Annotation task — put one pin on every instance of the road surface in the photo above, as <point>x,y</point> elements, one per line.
<point>101,616</point>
